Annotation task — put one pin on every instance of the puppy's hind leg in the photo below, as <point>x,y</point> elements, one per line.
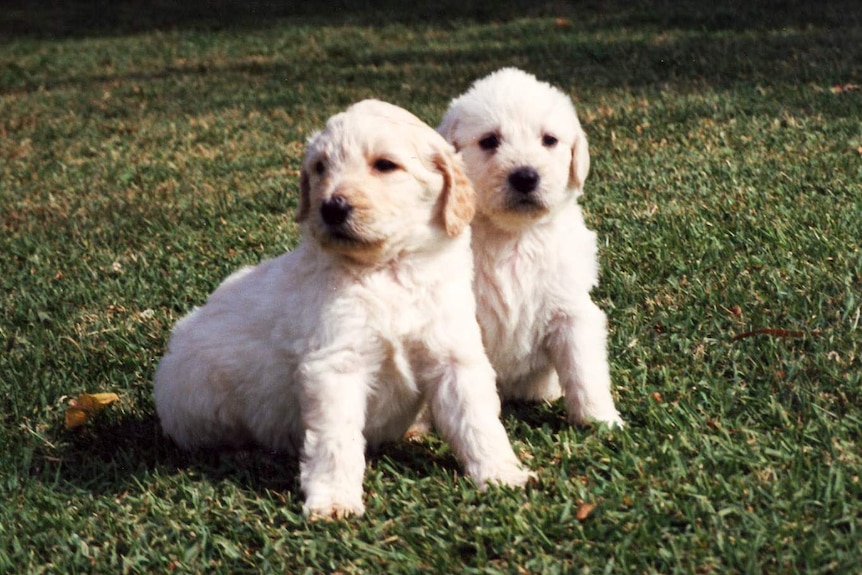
<point>577,346</point>
<point>423,423</point>
<point>195,403</point>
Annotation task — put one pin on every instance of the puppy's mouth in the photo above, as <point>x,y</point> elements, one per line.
<point>343,238</point>
<point>527,204</point>
<point>341,235</point>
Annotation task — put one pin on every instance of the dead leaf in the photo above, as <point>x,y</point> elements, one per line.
<point>562,23</point>
<point>657,397</point>
<point>86,405</point>
<point>838,88</point>
<point>735,310</point>
<point>584,511</point>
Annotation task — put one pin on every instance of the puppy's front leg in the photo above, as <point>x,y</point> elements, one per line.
<point>333,451</point>
<point>466,411</point>
<point>577,347</point>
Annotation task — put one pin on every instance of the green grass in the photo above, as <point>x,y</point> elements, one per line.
<point>146,151</point>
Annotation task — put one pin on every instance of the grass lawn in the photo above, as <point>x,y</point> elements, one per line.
<point>148,149</point>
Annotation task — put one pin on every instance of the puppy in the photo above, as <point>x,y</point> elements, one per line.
<point>334,347</point>
<point>535,260</point>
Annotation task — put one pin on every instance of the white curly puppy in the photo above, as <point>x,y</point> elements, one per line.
<point>535,260</point>
<point>335,345</point>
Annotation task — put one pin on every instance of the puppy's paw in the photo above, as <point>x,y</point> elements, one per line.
<point>610,417</point>
<point>508,476</point>
<point>613,422</point>
<point>334,510</point>
<point>423,424</point>
<point>330,505</point>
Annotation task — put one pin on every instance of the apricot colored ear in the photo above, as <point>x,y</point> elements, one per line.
<point>580,165</point>
<point>304,201</point>
<point>458,197</point>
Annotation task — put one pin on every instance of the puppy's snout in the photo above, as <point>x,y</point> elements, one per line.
<point>335,210</point>
<point>524,179</point>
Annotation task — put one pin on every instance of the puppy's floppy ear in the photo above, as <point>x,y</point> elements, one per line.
<point>580,166</point>
<point>304,198</point>
<point>458,199</point>
<point>304,206</point>
<point>447,128</point>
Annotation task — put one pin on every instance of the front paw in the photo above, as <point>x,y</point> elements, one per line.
<point>332,510</point>
<point>508,476</point>
<point>613,421</point>
<point>610,417</point>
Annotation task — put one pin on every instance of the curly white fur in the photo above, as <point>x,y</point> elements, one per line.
<point>527,156</point>
<point>336,345</point>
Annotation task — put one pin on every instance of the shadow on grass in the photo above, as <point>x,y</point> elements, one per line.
<point>767,44</point>
<point>80,18</point>
<point>83,18</point>
<point>106,457</point>
<point>111,457</point>
<point>535,415</point>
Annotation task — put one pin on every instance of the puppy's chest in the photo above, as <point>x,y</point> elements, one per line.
<point>396,310</point>
<point>397,317</point>
<point>514,300</point>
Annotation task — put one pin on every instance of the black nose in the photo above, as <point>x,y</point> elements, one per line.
<point>335,210</point>
<point>524,180</point>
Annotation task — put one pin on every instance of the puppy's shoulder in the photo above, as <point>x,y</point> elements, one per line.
<point>569,226</point>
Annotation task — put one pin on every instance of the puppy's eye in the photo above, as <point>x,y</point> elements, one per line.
<point>549,141</point>
<point>319,168</point>
<point>490,142</point>
<point>385,166</point>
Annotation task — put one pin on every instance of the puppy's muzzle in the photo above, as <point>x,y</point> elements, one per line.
<point>335,211</point>
<point>341,227</point>
<point>524,180</point>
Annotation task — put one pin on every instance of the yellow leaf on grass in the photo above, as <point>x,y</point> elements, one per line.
<point>584,511</point>
<point>85,406</point>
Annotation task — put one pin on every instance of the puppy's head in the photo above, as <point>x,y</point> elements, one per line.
<point>522,144</point>
<point>377,182</point>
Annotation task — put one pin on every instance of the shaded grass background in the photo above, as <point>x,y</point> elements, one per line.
<point>149,149</point>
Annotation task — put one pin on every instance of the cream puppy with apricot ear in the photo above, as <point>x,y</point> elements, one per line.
<point>535,260</point>
<point>334,346</point>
